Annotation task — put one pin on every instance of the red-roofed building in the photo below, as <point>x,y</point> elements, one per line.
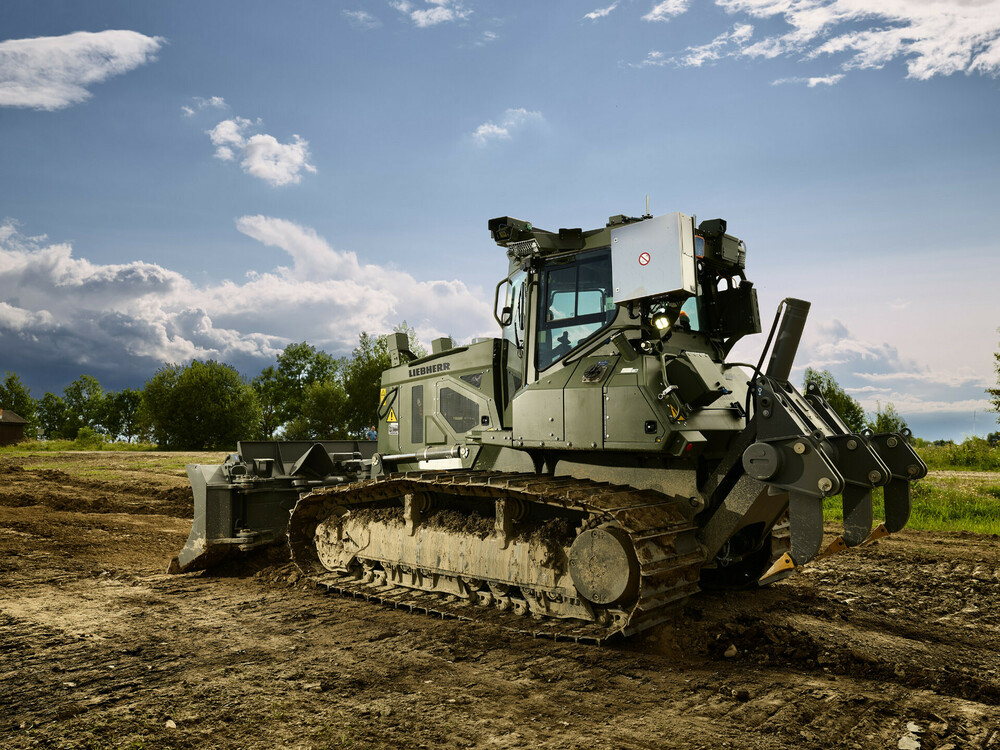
<point>11,427</point>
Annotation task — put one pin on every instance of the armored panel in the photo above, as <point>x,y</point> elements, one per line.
<point>538,411</point>
<point>654,257</point>
<point>584,407</point>
<point>629,411</point>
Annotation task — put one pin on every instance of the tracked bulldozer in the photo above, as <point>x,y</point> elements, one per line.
<point>587,470</point>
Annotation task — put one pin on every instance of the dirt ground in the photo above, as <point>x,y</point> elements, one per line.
<point>893,646</point>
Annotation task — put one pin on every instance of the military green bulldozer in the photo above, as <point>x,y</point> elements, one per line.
<point>587,470</point>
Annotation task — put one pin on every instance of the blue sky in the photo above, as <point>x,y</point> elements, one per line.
<point>216,180</point>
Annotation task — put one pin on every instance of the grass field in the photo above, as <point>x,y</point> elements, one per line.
<point>944,501</point>
<point>962,491</point>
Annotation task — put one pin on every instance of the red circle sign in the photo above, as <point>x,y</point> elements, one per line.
<point>644,259</point>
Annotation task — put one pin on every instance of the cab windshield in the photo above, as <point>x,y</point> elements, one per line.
<point>576,301</point>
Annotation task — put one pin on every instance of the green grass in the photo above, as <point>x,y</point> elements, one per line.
<point>942,503</point>
<point>53,446</point>
<point>975,454</point>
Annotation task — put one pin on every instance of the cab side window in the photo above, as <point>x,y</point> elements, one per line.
<point>577,301</point>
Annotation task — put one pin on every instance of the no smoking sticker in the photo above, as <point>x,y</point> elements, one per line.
<point>644,259</point>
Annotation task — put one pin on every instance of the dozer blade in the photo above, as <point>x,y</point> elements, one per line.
<point>200,551</point>
<point>243,504</point>
<point>225,521</point>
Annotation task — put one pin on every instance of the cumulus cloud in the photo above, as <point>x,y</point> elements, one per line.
<point>934,37</point>
<point>666,10</point>
<point>432,12</point>
<point>261,155</point>
<point>199,103</point>
<point>361,19</point>
<point>875,374</point>
<point>124,320</point>
<point>727,44</point>
<point>54,72</point>
<point>513,119</point>
<point>654,59</point>
<point>600,12</point>
<point>811,82</point>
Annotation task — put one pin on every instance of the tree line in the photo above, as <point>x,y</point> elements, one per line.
<point>308,394</point>
<point>883,419</point>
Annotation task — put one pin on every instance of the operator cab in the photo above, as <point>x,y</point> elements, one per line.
<point>576,301</point>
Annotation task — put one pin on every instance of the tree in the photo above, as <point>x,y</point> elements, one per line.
<point>886,420</point>
<point>842,403</point>
<point>363,376</point>
<point>85,406</point>
<point>994,393</point>
<point>123,415</point>
<point>14,395</point>
<point>281,389</point>
<point>324,413</point>
<point>362,380</point>
<point>201,405</point>
<point>52,416</point>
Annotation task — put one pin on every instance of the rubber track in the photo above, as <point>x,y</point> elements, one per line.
<point>654,522</point>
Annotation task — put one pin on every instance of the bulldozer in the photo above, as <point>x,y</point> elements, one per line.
<point>585,472</point>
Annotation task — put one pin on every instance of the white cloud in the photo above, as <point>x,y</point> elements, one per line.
<point>876,374</point>
<point>666,10</point>
<point>513,119</point>
<point>654,59</point>
<point>934,37</point>
<point>600,12</point>
<point>123,320</point>
<point>727,44</point>
<point>432,12</point>
<point>811,82</point>
<point>263,156</point>
<point>274,162</point>
<point>361,19</point>
<point>199,103</point>
<point>54,72</point>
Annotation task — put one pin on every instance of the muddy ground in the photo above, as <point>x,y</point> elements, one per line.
<point>896,645</point>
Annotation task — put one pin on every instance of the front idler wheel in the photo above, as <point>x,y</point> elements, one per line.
<point>603,565</point>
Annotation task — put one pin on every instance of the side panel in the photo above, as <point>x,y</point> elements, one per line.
<point>632,417</point>
<point>439,399</point>
<point>585,401</point>
<point>538,411</point>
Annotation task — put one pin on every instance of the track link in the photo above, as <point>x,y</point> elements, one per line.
<point>666,555</point>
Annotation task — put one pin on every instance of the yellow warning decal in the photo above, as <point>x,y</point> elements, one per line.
<point>391,417</point>
<point>381,396</point>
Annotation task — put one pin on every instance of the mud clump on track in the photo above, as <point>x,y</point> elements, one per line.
<point>896,645</point>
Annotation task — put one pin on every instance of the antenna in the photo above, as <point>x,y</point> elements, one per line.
<point>647,214</point>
